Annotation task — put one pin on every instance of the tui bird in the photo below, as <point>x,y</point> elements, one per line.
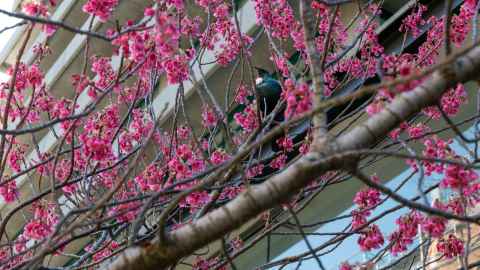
<point>268,89</point>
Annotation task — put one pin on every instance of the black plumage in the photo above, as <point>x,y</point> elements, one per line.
<point>268,89</point>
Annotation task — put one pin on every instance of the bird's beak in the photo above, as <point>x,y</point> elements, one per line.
<point>261,72</point>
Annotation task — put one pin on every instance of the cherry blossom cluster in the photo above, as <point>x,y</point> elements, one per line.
<point>338,33</point>
<point>40,9</point>
<point>406,232</point>
<point>224,28</point>
<point>100,8</point>
<point>366,200</point>
<point>414,21</point>
<point>371,238</point>
<point>364,65</point>
<point>247,119</point>
<point>44,219</point>
<point>276,16</point>
<point>450,247</point>
<point>298,97</point>
<point>461,23</point>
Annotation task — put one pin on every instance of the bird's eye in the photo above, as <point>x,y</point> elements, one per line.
<point>259,80</point>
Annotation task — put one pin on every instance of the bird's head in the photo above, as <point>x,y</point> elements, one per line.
<point>262,74</point>
<point>267,85</point>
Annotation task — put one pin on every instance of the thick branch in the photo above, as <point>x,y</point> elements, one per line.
<point>316,62</point>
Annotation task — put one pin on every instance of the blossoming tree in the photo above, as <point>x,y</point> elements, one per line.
<point>145,187</point>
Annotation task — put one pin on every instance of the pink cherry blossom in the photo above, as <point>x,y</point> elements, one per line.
<point>209,117</point>
<point>35,8</point>
<point>247,119</point>
<point>370,238</point>
<point>8,191</point>
<point>450,247</point>
<point>434,226</point>
<point>367,198</point>
<point>413,22</point>
<point>404,235</point>
<point>100,8</point>
<point>457,177</point>
<point>279,162</point>
<point>298,97</point>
